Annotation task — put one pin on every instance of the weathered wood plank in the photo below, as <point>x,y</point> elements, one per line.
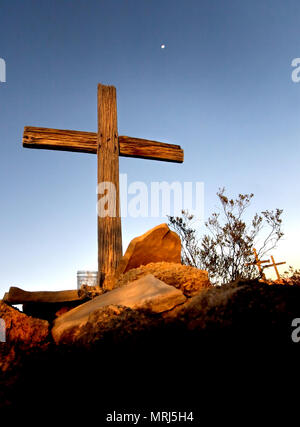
<point>19,296</point>
<point>109,221</point>
<point>57,139</point>
<point>86,142</point>
<point>146,149</point>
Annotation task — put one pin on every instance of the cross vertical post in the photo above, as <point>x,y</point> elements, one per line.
<point>109,226</point>
<point>274,264</point>
<point>275,267</point>
<point>258,263</point>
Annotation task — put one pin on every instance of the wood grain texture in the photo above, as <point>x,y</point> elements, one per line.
<point>109,227</point>
<point>19,296</point>
<point>86,142</point>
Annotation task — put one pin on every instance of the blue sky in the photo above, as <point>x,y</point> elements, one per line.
<point>221,89</point>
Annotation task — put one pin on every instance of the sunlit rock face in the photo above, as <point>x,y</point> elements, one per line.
<point>110,324</point>
<point>189,280</point>
<point>156,245</point>
<point>22,334</point>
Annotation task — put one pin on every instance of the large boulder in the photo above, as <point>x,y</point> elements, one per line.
<point>245,312</point>
<point>22,333</point>
<point>157,244</point>
<point>147,293</point>
<point>189,280</point>
<point>22,328</point>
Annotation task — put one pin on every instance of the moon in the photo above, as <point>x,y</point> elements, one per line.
<point>162,46</point>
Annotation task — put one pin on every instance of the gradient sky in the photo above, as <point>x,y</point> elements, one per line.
<point>221,89</point>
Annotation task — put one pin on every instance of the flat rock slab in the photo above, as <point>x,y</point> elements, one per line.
<point>19,296</point>
<point>146,293</point>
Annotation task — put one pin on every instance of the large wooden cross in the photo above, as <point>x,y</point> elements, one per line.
<point>108,146</point>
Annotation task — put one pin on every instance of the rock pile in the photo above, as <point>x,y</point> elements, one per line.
<point>149,278</point>
<point>70,327</point>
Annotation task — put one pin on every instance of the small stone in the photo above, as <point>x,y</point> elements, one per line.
<point>89,292</point>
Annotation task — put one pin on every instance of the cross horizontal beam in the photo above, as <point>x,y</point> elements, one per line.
<point>256,263</point>
<point>86,142</point>
<point>272,265</point>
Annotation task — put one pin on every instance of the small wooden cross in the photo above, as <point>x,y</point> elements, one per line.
<point>108,146</point>
<point>275,267</point>
<point>258,263</point>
